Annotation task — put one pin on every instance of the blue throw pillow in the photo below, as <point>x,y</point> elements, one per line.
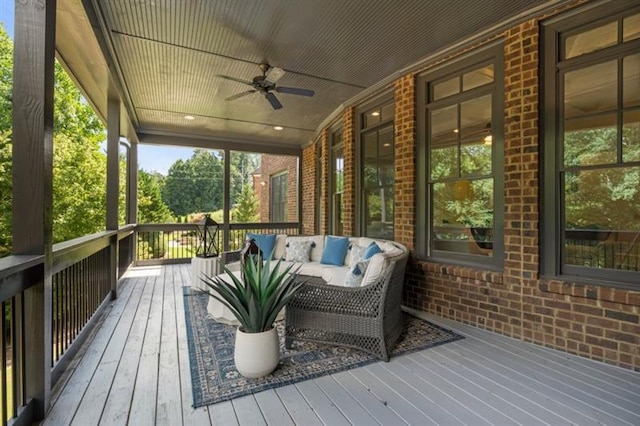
<point>265,242</point>
<point>335,249</point>
<point>371,250</point>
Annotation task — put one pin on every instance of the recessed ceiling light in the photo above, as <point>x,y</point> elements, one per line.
<point>386,144</point>
<point>278,127</point>
<point>189,117</point>
<point>375,113</point>
<point>455,130</point>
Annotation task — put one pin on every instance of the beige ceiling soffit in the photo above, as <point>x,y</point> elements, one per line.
<point>80,87</point>
<point>234,144</point>
<point>423,63</point>
<point>96,18</point>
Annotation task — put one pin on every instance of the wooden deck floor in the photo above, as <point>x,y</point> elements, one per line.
<point>135,370</point>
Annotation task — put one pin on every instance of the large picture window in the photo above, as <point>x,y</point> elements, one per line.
<point>592,146</point>
<point>377,171</point>
<point>462,172</point>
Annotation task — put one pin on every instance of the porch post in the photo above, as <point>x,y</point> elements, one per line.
<point>226,203</point>
<point>132,190</point>
<point>113,183</point>
<point>33,86</point>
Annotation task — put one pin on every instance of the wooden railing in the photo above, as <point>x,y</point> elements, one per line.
<point>82,277</point>
<point>177,242</point>
<point>83,281</point>
<point>17,275</point>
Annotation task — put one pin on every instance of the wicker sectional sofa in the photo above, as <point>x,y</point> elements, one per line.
<point>367,316</point>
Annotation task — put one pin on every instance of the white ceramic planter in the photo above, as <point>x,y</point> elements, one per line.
<point>256,354</point>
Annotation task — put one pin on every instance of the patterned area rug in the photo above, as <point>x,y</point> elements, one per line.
<point>215,379</point>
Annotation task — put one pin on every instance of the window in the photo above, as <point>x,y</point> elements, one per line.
<point>592,146</point>
<point>377,171</point>
<point>279,197</point>
<point>460,175</point>
<point>336,183</point>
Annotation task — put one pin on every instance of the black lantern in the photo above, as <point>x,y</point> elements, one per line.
<point>207,230</point>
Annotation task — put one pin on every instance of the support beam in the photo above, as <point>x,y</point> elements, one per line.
<point>33,87</point>
<point>113,186</point>
<point>226,203</point>
<point>132,183</point>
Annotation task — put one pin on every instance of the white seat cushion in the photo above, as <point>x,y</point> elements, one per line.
<point>335,275</point>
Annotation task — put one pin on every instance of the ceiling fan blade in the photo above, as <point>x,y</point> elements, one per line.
<point>239,80</point>
<point>295,91</point>
<point>275,103</point>
<point>274,74</point>
<point>239,95</point>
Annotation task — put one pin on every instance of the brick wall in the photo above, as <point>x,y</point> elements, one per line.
<point>309,194</point>
<point>404,124</point>
<point>349,193</point>
<point>324,206</point>
<point>594,321</point>
<point>271,165</point>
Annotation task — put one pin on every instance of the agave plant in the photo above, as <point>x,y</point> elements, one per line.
<point>258,295</point>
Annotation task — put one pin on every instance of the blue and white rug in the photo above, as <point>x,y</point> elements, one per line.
<point>215,379</point>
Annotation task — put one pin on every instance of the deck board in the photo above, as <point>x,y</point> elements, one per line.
<point>135,370</point>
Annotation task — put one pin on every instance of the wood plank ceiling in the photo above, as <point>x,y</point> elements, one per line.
<point>168,53</point>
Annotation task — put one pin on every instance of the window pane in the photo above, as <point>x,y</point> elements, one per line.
<point>337,214</point>
<point>631,136</point>
<point>631,81</point>
<point>336,138</point>
<point>370,145</point>
<point>590,141</point>
<point>379,213</point>
<point>338,168</point>
<point>631,27</point>
<point>463,216</point>
<point>444,126</point>
<point>387,112</point>
<point>475,158</point>
<point>592,40</point>
<point>475,118</point>
<point>477,78</point>
<point>371,118</point>
<point>601,227</point>
<point>446,88</point>
<point>385,143</point>
<point>591,90</point>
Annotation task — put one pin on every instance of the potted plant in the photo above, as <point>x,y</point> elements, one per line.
<point>255,298</point>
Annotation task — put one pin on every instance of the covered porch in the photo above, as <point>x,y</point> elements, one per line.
<point>121,376</point>
<point>445,138</point>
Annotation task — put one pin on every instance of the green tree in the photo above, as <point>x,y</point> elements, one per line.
<point>79,166</point>
<point>151,207</point>
<point>79,171</point>
<point>243,165</point>
<point>246,208</point>
<point>5,192</point>
<point>195,185</point>
<point>6,77</point>
<point>605,197</point>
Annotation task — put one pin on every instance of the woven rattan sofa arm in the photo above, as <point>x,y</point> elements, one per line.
<point>359,301</point>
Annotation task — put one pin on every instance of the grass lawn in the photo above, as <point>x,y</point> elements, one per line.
<point>9,395</point>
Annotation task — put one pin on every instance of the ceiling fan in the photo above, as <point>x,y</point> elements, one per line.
<point>266,85</point>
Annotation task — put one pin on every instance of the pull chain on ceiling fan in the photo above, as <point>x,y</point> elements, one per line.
<point>266,85</point>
